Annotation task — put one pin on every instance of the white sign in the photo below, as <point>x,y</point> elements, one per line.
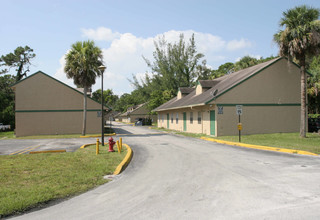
<point>99,114</point>
<point>239,109</point>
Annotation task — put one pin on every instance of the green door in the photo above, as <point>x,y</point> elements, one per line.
<point>213,122</point>
<point>184,121</point>
<point>167,120</point>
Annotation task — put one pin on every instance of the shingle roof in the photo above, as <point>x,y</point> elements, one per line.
<point>208,83</point>
<point>217,87</point>
<point>186,90</point>
<point>135,107</point>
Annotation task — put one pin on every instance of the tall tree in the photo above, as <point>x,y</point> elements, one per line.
<point>7,100</point>
<point>299,40</point>
<point>109,98</point>
<point>245,62</point>
<point>314,86</point>
<point>175,64</point>
<point>19,59</point>
<point>82,63</point>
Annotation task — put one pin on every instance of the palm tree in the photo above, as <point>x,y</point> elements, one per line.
<point>82,63</point>
<point>298,41</point>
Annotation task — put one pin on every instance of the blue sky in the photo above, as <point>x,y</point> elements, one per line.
<point>224,30</point>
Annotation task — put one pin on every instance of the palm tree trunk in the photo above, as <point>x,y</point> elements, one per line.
<point>303,112</point>
<point>85,89</point>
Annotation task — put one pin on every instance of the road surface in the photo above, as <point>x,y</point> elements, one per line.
<point>24,146</point>
<point>175,177</point>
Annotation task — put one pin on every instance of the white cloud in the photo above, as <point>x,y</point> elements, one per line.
<point>101,33</point>
<point>61,75</point>
<point>238,44</point>
<point>123,56</point>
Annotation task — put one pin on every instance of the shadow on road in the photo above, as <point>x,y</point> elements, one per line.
<point>141,135</point>
<point>120,130</point>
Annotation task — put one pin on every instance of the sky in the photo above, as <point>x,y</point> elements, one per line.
<point>225,31</point>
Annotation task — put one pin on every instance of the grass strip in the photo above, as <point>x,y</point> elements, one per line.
<point>280,140</point>
<point>28,181</point>
<point>7,135</point>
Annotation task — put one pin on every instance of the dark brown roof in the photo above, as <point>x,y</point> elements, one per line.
<point>186,90</point>
<point>135,107</point>
<point>209,83</point>
<point>216,87</point>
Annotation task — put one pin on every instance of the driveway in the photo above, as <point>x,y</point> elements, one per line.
<point>174,177</point>
<point>24,146</point>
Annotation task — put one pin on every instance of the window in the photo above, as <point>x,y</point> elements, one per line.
<point>199,117</point>
<point>191,117</point>
<point>171,118</point>
<point>163,118</point>
<point>177,118</point>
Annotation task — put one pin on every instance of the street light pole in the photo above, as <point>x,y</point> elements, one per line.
<point>102,68</point>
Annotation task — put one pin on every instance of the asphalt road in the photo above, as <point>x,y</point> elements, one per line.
<point>174,177</point>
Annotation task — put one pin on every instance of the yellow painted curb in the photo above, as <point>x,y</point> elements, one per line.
<point>86,145</point>
<point>292,151</point>
<point>125,161</point>
<point>89,136</point>
<point>47,151</point>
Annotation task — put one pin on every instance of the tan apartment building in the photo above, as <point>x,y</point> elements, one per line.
<point>268,95</point>
<point>136,112</point>
<point>44,105</point>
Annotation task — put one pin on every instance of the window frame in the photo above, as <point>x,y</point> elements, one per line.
<point>199,117</point>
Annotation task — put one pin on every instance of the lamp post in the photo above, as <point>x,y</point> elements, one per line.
<point>102,69</point>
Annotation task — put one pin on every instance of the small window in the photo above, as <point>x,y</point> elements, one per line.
<point>171,118</point>
<point>191,117</point>
<point>177,118</point>
<point>199,117</point>
<point>163,118</point>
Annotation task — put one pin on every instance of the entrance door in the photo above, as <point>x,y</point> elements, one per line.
<point>213,122</point>
<point>167,120</point>
<point>184,121</point>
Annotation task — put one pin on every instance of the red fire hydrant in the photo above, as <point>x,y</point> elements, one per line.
<point>111,143</point>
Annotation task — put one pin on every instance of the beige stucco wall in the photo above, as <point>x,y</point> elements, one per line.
<point>39,92</point>
<point>198,89</point>
<point>279,83</point>
<point>179,95</point>
<point>203,127</point>
<point>42,123</point>
<point>46,106</point>
<point>259,120</point>
<point>273,96</point>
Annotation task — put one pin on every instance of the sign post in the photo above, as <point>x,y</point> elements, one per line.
<point>239,112</point>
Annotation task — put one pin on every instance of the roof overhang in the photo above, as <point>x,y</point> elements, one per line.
<point>179,107</point>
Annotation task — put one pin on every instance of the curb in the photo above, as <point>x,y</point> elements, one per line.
<point>125,161</point>
<point>89,136</point>
<point>86,145</point>
<point>48,151</point>
<point>277,149</point>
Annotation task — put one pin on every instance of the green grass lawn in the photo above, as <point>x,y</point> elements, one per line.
<point>28,181</point>
<point>7,135</point>
<point>281,140</point>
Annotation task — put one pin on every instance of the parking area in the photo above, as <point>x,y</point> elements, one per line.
<point>16,147</point>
